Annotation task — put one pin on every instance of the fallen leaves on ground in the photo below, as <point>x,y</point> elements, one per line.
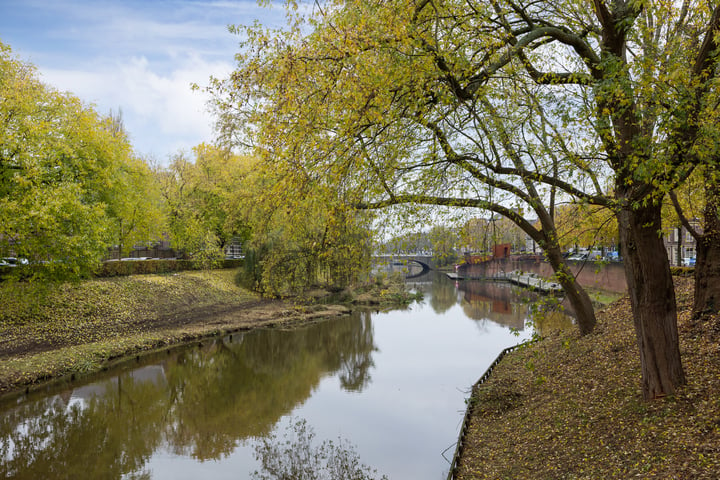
<point>36,317</point>
<point>51,330</point>
<point>570,407</point>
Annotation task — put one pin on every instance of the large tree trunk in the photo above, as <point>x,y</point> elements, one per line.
<point>707,257</point>
<point>652,297</point>
<point>574,292</point>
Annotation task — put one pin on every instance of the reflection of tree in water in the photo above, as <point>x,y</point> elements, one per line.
<point>512,306</point>
<point>344,345</point>
<point>108,437</point>
<point>244,388</point>
<point>356,360</point>
<point>444,294</point>
<point>298,458</point>
<point>209,399</point>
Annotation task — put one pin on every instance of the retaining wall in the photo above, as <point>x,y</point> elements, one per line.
<point>605,276</point>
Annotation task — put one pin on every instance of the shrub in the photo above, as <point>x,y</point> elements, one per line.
<point>134,267</point>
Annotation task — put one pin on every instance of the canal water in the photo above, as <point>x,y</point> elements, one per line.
<point>384,391</point>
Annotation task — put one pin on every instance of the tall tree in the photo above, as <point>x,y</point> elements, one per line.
<point>503,106</point>
<point>137,208</point>
<point>444,242</point>
<point>582,225</point>
<point>196,192</point>
<point>302,232</point>
<point>58,163</point>
<point>361,103</point>
<point>136,204</point>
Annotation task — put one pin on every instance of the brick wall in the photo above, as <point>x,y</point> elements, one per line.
<point>608,276</point>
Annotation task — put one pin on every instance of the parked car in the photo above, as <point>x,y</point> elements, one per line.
<point>13,262</point>
<point>586,255</point>
<point>688,262</point>
<point>613,256</point>
<point>594,255</point>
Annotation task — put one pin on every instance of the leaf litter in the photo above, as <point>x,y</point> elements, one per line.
<point>570,407</point>
<point>49,331</point>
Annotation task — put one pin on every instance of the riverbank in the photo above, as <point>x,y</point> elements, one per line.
<point>565,408</point>
<point>569,407</point>
<point>49,332</point>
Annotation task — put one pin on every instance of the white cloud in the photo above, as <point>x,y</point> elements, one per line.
<point>149,29</point>
<point>162,113</point>
<point>137,55</point>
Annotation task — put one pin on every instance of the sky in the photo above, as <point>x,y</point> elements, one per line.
<point>138,56</point>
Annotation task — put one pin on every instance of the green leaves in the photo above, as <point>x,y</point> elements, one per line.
<point>70,186</point>
<point>200,200</point>
<point>303,233</point>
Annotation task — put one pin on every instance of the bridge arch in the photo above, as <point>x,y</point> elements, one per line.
<point>425,268</point>
<point>426,262</point>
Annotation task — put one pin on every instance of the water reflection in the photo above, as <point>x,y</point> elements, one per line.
<point>444,294</point>
<point>493,301</point>
<point>298,457</point>
<point>498,302</point>
<point>364,376</point>
<point>199,402</point>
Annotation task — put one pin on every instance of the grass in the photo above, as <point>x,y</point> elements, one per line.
<point>56,330</point>
<point>570,407</point>
<point>51,330</point>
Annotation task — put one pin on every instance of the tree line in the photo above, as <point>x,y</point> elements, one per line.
<point>72,188</point>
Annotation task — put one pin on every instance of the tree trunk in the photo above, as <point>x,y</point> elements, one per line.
<point>652,297</point>
<point>576,294</point>
<point>707,257</point>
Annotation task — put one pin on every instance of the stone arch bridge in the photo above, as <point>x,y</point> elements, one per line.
<point>426,262</point>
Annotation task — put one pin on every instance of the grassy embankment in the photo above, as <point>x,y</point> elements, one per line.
<point>50,331</point>
<point>569,407</point>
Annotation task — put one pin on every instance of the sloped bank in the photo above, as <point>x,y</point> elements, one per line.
<point>55,332</point>
<point>569,407</point>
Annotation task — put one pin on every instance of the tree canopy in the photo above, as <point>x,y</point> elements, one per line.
<point>503,106</point>
<point>197,195</point>
<point>303,232</point>
<point>67,176</point>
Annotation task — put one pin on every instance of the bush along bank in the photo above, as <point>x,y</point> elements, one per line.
<point>116,268</point>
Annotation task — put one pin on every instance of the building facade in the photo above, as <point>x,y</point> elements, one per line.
<point>680,246</point>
